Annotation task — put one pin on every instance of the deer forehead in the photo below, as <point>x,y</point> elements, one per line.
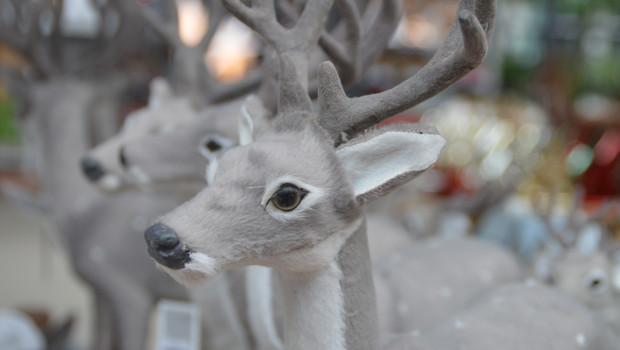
<point>295,155</point>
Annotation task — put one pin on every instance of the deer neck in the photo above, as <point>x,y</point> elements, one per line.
<point>334,308</point>
<point>62,133</point>
<point>62,137</point>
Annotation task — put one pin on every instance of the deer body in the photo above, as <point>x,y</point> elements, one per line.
<point>101,233</point>
<point>422,284</point>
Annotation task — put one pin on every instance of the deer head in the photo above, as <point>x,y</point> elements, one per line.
<point>176,157</point>
<point>578,258</point>
<point>290,198</point>
<point>104,165</point>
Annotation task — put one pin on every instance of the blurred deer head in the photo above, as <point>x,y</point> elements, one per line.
<point>579,258</point>
<point>104,165</point>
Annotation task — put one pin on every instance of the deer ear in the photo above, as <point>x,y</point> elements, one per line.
<point>251,115</point>
<point>159,90</point>
<point>380,161</point>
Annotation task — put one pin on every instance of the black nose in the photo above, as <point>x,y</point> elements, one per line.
<point>122,158</point>
<point>92,169</point>
<point>164,246</point>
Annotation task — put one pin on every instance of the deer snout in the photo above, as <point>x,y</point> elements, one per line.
<point>165,247</point>
<point>92,169</point>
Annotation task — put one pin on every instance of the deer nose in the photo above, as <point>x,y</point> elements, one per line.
<point>164,246</point>
<point>92,169</point>
<point>122,158</point>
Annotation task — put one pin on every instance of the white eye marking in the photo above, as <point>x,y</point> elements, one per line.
<point>210,171</point>
<point>312,195</point>
<point>246,127</point>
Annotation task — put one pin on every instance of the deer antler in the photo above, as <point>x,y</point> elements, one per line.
<point>345,55</point>
<point>19,29</point>
<point>463,50</point>
<point>167,30</point>
<point>297,42</point>
<point>361,45</point>
<point>202,85</point>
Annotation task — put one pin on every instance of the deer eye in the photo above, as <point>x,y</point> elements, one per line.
<point>596,281</point>
<point>213,146</point>
<point>288,197</point>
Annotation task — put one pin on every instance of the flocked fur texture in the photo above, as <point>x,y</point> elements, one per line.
<point>382,159</point>
<point>163,110</point>
<point>232,202</point>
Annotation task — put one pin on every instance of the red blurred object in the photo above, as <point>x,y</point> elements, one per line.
<point>603,177</point>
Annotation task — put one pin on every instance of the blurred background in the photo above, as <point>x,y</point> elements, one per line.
<point>533,133</point>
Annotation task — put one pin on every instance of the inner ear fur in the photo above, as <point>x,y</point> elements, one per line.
<point>253,117</point>
<point>159,90</point>
<point>380,160</point>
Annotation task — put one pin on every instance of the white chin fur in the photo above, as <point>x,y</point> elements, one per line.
<point>200,269</point>
<point>109,183</point>
<point>140,176</point>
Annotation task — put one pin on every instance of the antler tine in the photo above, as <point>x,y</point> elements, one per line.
<point>569,233</point>
<point>297,42</point>
<point>29,42</point>
<point>293,97</point>
<point>463,50</point>
<point>377,36</point>
<point>261,18</point>
<point>218,92</point>
<point>545,215</point>
<point>217,13</point>
<point>378,25</point>
<point>346,55</point>
<point>11,37</point>
<point>167,31</point>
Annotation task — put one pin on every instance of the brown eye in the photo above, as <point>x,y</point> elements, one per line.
<point>288,197</point>
<point>213,146</point>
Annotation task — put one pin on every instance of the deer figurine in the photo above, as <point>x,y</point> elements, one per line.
<point>292,198</point>
<point>578,263</point>
<point>183,163</point>
<point>72,98</point>
<point>150,121</point>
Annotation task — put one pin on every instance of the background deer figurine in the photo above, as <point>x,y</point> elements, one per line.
<point>292,199</point>
<point>577,259</point>
<point>100,234</point>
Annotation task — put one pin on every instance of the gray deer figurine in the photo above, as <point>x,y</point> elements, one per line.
<point>292,200</point>
<point>101,235</point>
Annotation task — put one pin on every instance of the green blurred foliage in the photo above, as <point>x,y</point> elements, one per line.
<point>582,8</point>
<point>586,72</point>
<point>8,128</point>
<point>601,75</point>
